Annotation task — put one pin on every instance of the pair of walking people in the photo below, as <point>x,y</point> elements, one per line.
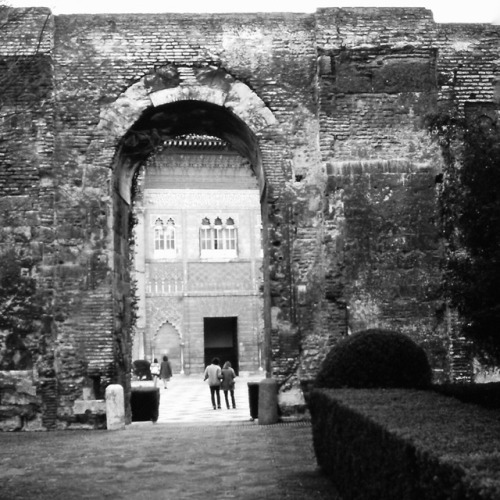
<point>220,379</point>
<point>161,371</point>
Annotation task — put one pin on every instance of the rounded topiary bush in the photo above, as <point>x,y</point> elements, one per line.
<point>375,358</point>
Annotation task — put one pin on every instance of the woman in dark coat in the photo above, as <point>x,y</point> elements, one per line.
<point>165,371</point>
<point>228,377</point>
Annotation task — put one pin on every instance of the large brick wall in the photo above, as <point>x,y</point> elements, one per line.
<point>328,108</point>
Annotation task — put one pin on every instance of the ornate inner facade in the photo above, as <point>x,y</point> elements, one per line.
<point>198,257</point>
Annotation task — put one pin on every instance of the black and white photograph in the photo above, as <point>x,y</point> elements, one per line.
<point>249,250</point>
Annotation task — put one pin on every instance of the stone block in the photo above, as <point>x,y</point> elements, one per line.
<point>17,398</point>
<point>115,407</point>
<point>292,405</point>
<point>11,424</point>
<point>35,424</point>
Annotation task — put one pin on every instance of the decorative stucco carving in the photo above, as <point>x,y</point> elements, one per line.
<point>161,310</point>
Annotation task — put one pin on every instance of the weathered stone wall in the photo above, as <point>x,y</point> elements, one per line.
<point>329,109</point>
<point>99,57</point>
<point>378,81</point>
<point>26,219</point>
<point>381,73</point>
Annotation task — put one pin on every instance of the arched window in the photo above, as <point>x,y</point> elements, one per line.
<point>218,239</point>
<point>169,235</point>
<point>205,235</point>
<point>164,238</point>
<point>230,235</point>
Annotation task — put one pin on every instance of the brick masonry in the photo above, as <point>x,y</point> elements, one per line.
<point>328,109</point>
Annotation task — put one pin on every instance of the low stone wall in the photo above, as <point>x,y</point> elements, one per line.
<point>20,405</point>
<point>292,405</point>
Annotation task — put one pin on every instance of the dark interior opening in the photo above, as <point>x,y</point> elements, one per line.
<point>187,117</point>
<point>221,340</point>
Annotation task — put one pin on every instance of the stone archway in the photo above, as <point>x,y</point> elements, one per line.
<point>163,105</point>
<point>171,84</point>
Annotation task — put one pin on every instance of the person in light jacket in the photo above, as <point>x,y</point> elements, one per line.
<point>155,371</point>
<point>213,374</point>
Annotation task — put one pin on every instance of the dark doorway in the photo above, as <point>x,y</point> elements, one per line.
<point>221,340</point>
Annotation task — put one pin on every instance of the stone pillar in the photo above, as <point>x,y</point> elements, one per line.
<point>268,401</point>
<point>115,407</point>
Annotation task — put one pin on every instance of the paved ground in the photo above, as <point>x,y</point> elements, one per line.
<point>193,452</point>
<point>187,399</point>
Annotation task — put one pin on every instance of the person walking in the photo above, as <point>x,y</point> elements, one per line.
<point>228,383</point>
<point>213,374</point>
<point>155,371</point>
<point>165,371</point>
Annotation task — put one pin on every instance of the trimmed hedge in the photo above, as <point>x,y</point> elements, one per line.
<point>395,444</point>
<point>486,395</point>
<point>375,358</point>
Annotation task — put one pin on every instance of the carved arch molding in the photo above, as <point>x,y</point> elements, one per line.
<point>161,310</point>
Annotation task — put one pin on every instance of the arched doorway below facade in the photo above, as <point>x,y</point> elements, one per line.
<point>168,343</point>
